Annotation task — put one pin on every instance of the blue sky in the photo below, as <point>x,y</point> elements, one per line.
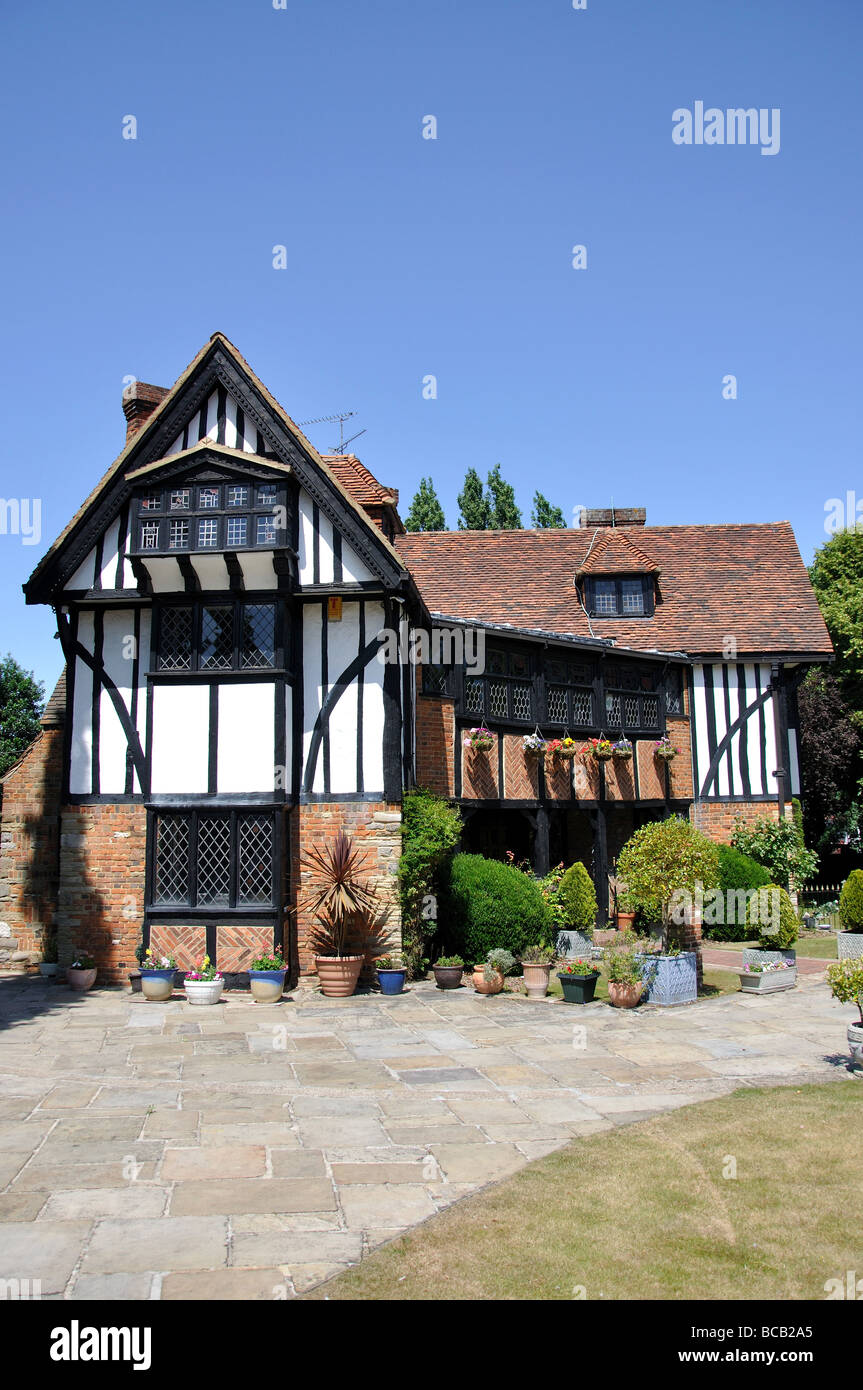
<point>406,257</point>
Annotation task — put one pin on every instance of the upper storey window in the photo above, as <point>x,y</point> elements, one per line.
<point>619,596</point>
<point>210,516</point>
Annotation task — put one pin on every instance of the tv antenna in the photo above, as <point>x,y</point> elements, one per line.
<point>331,419</point>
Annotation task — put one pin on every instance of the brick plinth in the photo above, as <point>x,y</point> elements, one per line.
<point>376,827</point>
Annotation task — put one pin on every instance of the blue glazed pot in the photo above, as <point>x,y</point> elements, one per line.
<point>669,979</point>
<point>267,985</point>
<point>157,984</point>
<point>392,981</point>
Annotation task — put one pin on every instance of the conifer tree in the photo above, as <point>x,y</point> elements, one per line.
<point>544,515</point>
<point>426,512</point>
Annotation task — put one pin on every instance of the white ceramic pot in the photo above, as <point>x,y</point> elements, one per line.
<point>203,991</point>
<point>855,1042</point>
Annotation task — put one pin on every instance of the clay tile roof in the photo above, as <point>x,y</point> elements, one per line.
<point>357,480</point>
<point>614,553</point>
<point>746,583</point>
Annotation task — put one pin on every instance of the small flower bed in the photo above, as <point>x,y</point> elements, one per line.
<point>205,970</point>
<point>664,748</point>
<point>481,738</point>
<point>601,748</point>
<point>758,969</point>
<point>578,967</point>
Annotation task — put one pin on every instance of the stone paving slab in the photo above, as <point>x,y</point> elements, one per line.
<point>231,1155</point>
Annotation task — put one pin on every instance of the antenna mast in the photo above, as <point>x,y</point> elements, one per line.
<point>341,417</point>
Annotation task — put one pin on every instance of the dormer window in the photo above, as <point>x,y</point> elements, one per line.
<point>619,596</point>
<point>210,516</point>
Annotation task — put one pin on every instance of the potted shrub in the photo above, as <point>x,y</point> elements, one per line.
<point>81,974</point>
<point>765,977</point>
<point>845,978</point>
<point>488,977</point>
<point>267,978</point>
<point>157,976</point>
<point>624,972</point>
<point>771,913</point>
<point>849,941</point>
<point>578,981</point>
<point>576,897</point>
<point>342,902</point>
<point>48,967</point>
<point>135,975</point>
<point>536,963</point>
<point>448,971</point>
<point>481,738</point>
<point>203,984</point>
<point>663,865</point>
<point>391,974</point>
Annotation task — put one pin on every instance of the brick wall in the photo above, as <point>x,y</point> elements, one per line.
<point>29,844</point>
<point>376,826</point>
<point>435,744</point>
<point>100,902</point>
<point>717,818</point>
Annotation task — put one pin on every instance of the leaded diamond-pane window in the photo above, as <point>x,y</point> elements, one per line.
<point>522,703</point>
<point>473,696</point>
<point>497,704</point>
<point>172,846</point>
<point>631,712</point>
<point>436,679</point>
<point>255,862</point>
<point>612,711</point>
<point>258,635</point>
<point>582,708</point>
<point>650,712</point>
<point>175,639</point>
<point>214,860</point>
<point>557,705</point>
<point>217,639</point>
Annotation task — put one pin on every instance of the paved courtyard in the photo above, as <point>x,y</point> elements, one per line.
<point>245,1151</point>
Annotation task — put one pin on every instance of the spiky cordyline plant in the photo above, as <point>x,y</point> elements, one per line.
<point>339,898</point>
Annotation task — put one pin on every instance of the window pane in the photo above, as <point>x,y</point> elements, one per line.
<point>612,711</point>
<point>473,696</point>
<point>208,534</point>
<point>255,860</point>
<point>633,596</point>
<point>238,496</point>
<point>519,665</point>
<point>152,502</point>
<point>266,494</point>
<point>175,639</point>
<point>179,535</point>
<point>582,708</point>
<point>237,531</point>
<point>258,635</point>
<point>497,703</point>
<point>217,639</point>
<point>214,860</point>
<point>556,702</point>
<point>171,859</point>
<point>180,500</point>
<point>632,712</point>
<point>435,679</point>
<point>605,596</point>
<point>495,663</point>
<point>266,530</point>
<point>208,497</point>
<point>522,702</point>
<point>150,535</point>
<point>650,712</point>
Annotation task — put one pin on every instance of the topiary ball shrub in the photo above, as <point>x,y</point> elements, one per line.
<point>488,906</point>
<point>773,935</point>
<point>738,872</point>
<point>851,902</point>
<point>577,897</point>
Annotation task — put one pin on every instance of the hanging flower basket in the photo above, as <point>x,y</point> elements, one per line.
<point>566,748</point>
<point>534,744</point>
<point>623,749</point>
<point>602,749</point>
<point>664,748</point>
<point>481,738</point>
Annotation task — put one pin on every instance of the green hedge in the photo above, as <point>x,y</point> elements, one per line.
<point>736,871</point>
<point>577,898</point>
<point>779,936</point>
<point>851,902</point>
<point>488,905</point>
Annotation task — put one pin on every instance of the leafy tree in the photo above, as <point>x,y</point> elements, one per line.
<point>577,897</point>
<point>22,700</point>
<point>851,902</point>
<point>663,859</point>
<point>474,504</point>
<point>761,913</point>
<point>431,830</point>
<point>830,743</point>
<point>837,578</point>
<point>778,845</point>
<point>426,512</point>
<point>504,514</point>
<point>544,516</point>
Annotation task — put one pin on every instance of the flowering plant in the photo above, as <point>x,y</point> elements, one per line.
<point>578,967</point>
<point>553,745</point>
<point>83,961</point>
<point>623,748</point>
<point>602,749</point>
<point>151,962</point>
<point>566,747</point>
<point>205,970</point>
<point>479,738</point>
<point>274,962</point>
<point>534,743</point>
<point>664,748</point>
<point>757,969</point>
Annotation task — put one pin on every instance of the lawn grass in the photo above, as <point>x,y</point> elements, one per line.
<point>646,1212</point>
<point>813,947</point>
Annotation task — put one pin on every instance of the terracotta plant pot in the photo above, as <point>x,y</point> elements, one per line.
<point>80,979</point>
<point>625,921</point>
<point>338,975</point>
<point>624,996</point>
<point>536,978</point>
<point>484,986</point>
<point>448,976</point>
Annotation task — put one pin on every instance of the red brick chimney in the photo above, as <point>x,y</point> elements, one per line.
<point>140,399</point>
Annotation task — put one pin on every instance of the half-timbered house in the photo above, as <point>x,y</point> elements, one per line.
<point>222,598</point>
